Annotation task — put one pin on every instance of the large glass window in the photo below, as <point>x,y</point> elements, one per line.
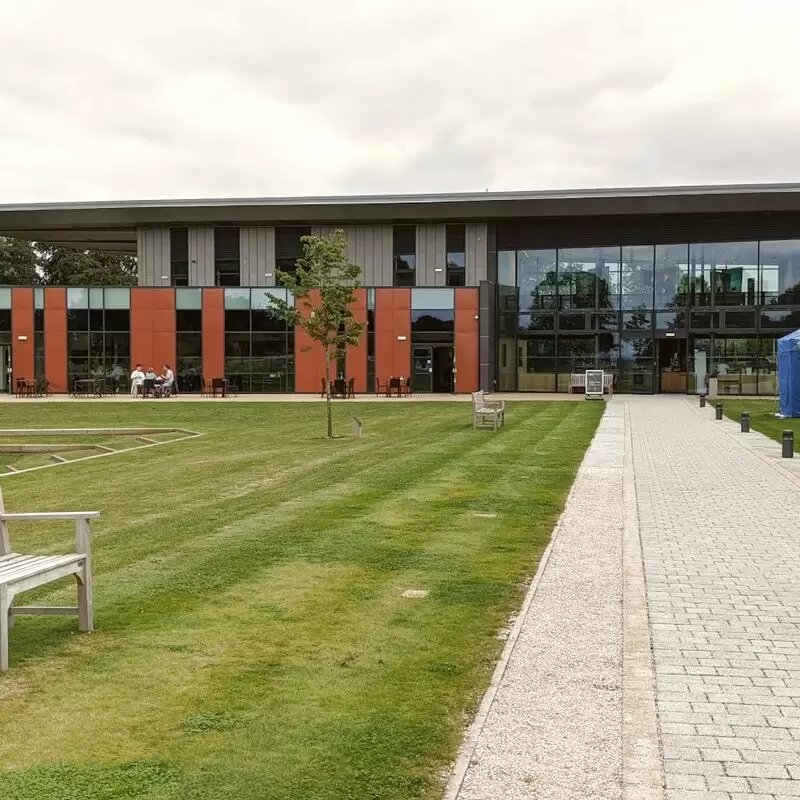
<point>289,246</point>
<point>636,278</point>
<point>536,279</point>
<point>370,334</point>
<point>589,277</point>
<point>536,364</point>
<point>189,350</point>
<point>728,270</point>
<point>735,364</point>
<point>259,349</point>
<point>671,275</point>
<point>780,272</point>
<point>507,267</point>
<point>98,338</point>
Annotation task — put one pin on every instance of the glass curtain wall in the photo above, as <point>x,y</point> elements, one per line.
<point>720,306</point>
<point>259,348</point>
<point>98,333</point>
<point>38,333</point>
<point>189,339</point>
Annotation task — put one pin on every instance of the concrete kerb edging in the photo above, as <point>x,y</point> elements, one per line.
<point>642,764</point>
<point>467,749</point>
<point>97,432</point>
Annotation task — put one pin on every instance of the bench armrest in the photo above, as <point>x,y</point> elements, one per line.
<point>44,516</point>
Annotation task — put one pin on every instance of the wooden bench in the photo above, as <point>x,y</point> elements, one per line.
<point>484,411</point>
<point>577,380</point>
<point>21,573</point>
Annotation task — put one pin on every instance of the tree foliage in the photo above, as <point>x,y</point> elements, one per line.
<point>24,263</point>
<point>324,290</point>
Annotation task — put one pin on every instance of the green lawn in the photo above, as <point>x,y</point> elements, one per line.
<point>252,641</point>
<point>762,417</point>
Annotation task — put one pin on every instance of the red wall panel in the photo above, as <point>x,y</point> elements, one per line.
<point>392,319</point>
<point>467,334</point>
<point>153,328</point>
<point>22,360</point>
<point>309,359</point>
<point>213,333</point>
<point>357,356</point>
<point>55,338</point>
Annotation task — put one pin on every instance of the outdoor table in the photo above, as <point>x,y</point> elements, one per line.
<point>220,384</point>
<point>84,387</point>
<point>396,384</point>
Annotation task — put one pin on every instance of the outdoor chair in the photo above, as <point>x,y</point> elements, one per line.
<point>21,573</point>
<point>147,387</point>
<point>407,387</point>
<point>485,411</point>
<point>324,387</point>
<point>380,388</point>
<point>351,387</point>
<point>394,383</point>
<point>339,388</point>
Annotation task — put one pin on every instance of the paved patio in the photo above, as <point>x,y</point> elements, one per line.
<point>656,656</point>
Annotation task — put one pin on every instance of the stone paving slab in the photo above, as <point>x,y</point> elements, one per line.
<point>719,516</point>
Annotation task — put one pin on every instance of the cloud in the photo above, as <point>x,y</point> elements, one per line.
<point>195,98</point>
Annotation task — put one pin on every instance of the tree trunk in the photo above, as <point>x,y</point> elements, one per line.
<point>328,404</point>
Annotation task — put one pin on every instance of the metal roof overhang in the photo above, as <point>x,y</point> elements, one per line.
<point>112,225</point>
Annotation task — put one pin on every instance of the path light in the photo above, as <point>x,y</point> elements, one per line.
<point>719,410</point>
<point>787,450</point>
<point>702,401</point>
<point>745,421</point>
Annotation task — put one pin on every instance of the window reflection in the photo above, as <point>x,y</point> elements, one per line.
<point>671,275</point>
<point>589,277</point>
<point>729,268</point>
<point>780,272</point>
<point>636,277</point>
<point>536,278</point>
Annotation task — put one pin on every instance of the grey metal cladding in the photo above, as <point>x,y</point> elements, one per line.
<point>257,256</point>
<point>153,255</point>
<point>201,256</point>
<point>431,255</point>
<point>369,246</point>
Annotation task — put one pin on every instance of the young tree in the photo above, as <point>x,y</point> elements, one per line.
<point>324,288</point>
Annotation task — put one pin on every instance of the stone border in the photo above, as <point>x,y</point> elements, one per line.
<point>642,766</point>
<point>138,432</point>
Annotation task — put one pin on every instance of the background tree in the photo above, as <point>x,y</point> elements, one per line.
<point>324,288</point>
<point>62,266</point>
<point>18,263</point>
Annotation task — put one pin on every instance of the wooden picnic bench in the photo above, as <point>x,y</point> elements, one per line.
<point>484,411</point>
<point>21,573</point>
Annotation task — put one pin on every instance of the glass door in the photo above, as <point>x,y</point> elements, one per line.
<point>443,370</point>
<point>422,378</point>
<point>5,369</point>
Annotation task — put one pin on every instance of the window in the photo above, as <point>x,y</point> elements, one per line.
<point>179,256</point>
<point>259,350</point>
<point>404,254</point>
<point>370,332</point>
<point>38,333</point>
<point>289,247</point>
<point>728,270</point>
<point>672,275</point>
<point>456,241</point>
<point>780,272</point>
<point>536,278</point>
<point>636,277</point>
<point>98,335</point>
<point>226,257</point>
<point>589,277</point>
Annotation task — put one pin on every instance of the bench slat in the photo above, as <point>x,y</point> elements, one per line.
<point>31,566</point>
<point>44,516</point>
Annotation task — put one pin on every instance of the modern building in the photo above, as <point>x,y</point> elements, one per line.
<point>509,291</point>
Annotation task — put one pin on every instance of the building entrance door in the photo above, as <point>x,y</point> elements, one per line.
<point>672,367</point>
<point>433,369</point>
<point>5,369</point>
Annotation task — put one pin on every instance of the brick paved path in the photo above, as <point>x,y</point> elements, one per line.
<point>720,530</point>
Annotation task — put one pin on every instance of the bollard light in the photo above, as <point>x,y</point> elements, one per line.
<point>702,401</point>
<point>719,410</point>
<point>745,421</point>
<point>788,444</point>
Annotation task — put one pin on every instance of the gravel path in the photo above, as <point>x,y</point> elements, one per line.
<point>550,727</point>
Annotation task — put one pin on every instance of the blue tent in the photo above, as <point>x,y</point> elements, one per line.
<point>789,374</point>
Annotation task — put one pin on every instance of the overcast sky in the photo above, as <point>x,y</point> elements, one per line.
<point>114,99</point>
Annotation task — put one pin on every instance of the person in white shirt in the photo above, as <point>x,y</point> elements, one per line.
<point>137,380</point>
<point>169,381</point>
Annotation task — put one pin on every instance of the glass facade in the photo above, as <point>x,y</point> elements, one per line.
<point>668,317</point>
<point>98,333</point>
<point>259,348</point>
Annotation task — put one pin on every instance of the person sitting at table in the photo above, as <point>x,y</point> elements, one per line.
<point>137,380</point>
<point>149,385</point>
<point>168,377</point>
